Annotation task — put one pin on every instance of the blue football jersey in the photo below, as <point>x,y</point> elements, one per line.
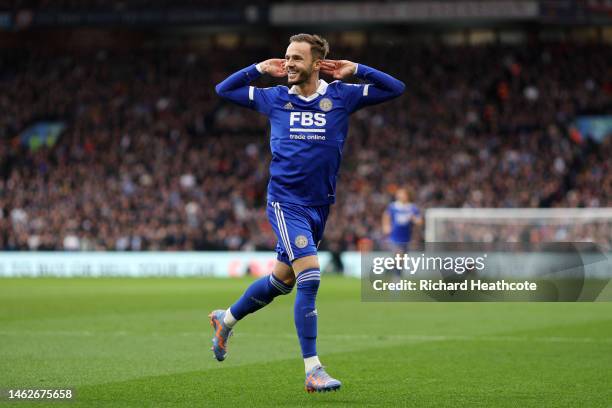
<point>308,133</point>
<point>401,224</point>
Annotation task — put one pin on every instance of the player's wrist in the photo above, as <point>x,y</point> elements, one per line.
<point>356,68</point>
<point>259,68</point>
<point>361,70</point>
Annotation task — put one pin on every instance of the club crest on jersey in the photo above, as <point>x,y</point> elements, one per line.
<point>288,106</point>
<point>301,241</point>
<point>325,104</point>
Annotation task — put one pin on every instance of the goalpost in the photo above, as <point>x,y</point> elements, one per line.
<point>520,225</point>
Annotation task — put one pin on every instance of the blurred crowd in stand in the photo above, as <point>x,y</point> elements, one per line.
<point>152,159</point>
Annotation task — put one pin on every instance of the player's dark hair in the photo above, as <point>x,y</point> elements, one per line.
<point>319,47</point>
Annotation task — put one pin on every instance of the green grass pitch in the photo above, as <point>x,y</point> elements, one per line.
<point>145,343</point>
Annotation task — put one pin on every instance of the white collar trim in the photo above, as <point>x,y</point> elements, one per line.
<point>321,89</point>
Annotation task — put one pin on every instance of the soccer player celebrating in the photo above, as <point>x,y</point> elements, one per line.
<point>309,125</point>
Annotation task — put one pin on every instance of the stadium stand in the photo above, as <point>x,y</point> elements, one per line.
<point>152,159</point>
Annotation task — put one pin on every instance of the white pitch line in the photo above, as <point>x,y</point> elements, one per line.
<point>396,337</point>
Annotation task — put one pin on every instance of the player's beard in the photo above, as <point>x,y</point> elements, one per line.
<point>301,77</point>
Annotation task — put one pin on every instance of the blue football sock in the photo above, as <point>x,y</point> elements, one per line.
<point>260,293</point>
<point>305,313</point>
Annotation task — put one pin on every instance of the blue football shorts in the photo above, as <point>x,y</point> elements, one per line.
<point>298,228</point>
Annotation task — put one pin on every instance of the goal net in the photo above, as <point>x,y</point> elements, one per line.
<point>525,225</point>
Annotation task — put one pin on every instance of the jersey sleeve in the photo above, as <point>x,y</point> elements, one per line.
<point>261,99</point>
<point>236,89</point>
<point>379,87</point>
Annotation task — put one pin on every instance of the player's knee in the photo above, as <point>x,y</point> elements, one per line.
<point>306,263</point>
<point>290,282</point>
<point>291,286</point>
<point>287,279</point>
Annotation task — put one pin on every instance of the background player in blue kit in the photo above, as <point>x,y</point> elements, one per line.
<point>309,125</point>
<point>399,219</point>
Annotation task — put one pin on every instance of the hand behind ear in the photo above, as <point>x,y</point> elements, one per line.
<point>338,69</point>
<point>274,67</point>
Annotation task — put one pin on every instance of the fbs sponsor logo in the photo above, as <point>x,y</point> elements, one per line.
<point>308,119</point>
